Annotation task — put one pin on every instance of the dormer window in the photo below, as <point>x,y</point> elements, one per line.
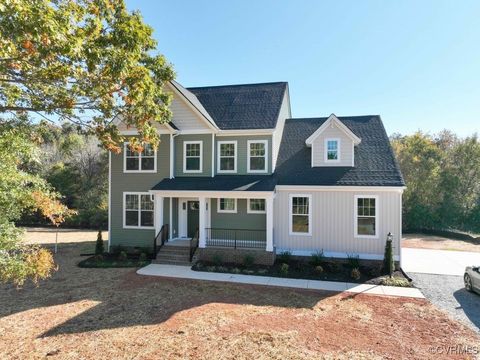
<point>332,150</point>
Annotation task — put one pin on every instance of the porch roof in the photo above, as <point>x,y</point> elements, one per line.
<point>218,183</point>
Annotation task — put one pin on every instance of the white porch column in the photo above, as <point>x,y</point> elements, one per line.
<point>158,213</point>
<point>170,220</point>
<point>202,222</point>
<point>269,222</point>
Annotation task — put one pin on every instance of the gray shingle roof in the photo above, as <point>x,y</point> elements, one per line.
<point>219,183</point>
<point>375,163</point>
<point>249,106</point>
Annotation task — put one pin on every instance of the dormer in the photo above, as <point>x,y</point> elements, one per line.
<point>333,144</point>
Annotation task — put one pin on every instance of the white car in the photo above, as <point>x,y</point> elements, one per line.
<point>472,278</point>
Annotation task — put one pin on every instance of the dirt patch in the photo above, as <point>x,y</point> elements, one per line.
<point>114,313</point>
<point>421,241</point>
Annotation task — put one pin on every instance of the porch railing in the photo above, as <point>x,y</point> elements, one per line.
<point>160,239</point>
<point>193,245</point>
<point>236,238</point>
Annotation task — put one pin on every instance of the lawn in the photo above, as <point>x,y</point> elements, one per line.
<point>114,313</point>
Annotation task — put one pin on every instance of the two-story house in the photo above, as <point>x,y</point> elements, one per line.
<point>236,171</point>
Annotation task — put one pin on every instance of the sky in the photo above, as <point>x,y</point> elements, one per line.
<point>415,63</point>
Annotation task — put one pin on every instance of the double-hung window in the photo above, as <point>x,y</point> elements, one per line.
<point>332,150</point>
<point>256,206</point>
<point>227,205</point>
<point>300,215</point>
<point>227,156</point>
<point>192,157</point>
<point>138,210</point>
<point>366,216</point>
<point>145,161</point>
<point>257,161</point>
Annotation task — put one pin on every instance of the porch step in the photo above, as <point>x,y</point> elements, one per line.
<point>173,255</point>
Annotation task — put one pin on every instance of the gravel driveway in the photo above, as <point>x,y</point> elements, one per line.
<point>448,293</point>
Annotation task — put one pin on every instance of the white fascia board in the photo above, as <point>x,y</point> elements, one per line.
<point>250,132</point>
<point>214,194</point>
<point>332,118</point>
<point>399,189</point>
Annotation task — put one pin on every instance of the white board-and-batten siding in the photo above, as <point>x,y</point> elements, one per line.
<point>346,147</point>
<point>333,221</point>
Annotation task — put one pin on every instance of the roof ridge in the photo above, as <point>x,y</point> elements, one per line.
<point>326,117</point>
<point>235,85</point>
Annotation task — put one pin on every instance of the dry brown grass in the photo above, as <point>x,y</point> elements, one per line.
<point>421,241</point>
<point>116,314</point>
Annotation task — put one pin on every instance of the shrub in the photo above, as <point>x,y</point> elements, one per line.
<point>285,257</point>
<point>317,258</point>
<point>395,281</point>
<point>353,261</point>
<point>116,250</point>
<point>142,257</point>
<point>262,271</point>
<point>122,256</point>
<point>284,269</point>
<point>211,268</point>
<point>222,269</point>
<point>236,270</point>
<point>388,264</point>
<point>98,257</point>
<point>332,267</point>
<point>99,244</point>
<point>318,269</point>
<point>217,259</point>
<point>248,272</point>
<point>355,274</point>
<point>248,260</point>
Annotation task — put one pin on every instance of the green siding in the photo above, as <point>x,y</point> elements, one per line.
<point>242,152</point>
<point>239,220</point>
<point>134,182</point>
<point>207,154</point>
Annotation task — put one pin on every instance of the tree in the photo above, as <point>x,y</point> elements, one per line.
<point>86,61</point>
<point>21,192</point>
<point>99,250</point>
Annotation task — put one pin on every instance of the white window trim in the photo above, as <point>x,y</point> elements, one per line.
<point>139,210</point>
<point>220,171</point>
<point>139,162</point>
<point>325,152</point>
<point>355,218</point>
<point>185,143</point>
<point>290,215</point>
<point>226,211</point>
<point>249,211</point>
<point>266,156</point>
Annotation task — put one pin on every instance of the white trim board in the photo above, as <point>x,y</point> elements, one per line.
<point>332,119</point>
<point>185,143</point>
<point>340,188</point>
<point>290,215</point>
<point>214,194</point>
<point>226,142</point>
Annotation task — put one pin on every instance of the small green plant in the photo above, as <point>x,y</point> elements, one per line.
<point>248,260</point>
<point>99,250</point>
<point>355,274</point>
<point>262,271</point>
<point>236,270</point>
<point>284,269</point>
<point>285,257</point>
<point>222,269</point>
<point>98,257</point>
<point>395,281</point>
<point>248,272</point>
<point>317,258</point>
<point>353,261</point>
<point>217,259</point>
<point>122,256</point>
<point>318,269</point>
<point>142,257</point>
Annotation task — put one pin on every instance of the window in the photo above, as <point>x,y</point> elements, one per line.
<point>257,156</point>
<point>256,206</point>
<point>192,160</point>
<point>226,205</point>
<point>227,157</point>
<point>300,215</point>
<point>332,150</point>
<point>138,210</point>
<point>366,216</point>
<point>146,161</point>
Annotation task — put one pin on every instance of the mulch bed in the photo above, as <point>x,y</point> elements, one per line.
<point>113,261</point>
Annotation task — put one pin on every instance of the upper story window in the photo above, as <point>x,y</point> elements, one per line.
<point>146,161</point>
<point>227,156</point>
<point>257,161</point>
<point>366,216</point>
<point>138,209</point>
<point>192,156</point>
<point>300,215</point>
<point>227,205</point>
<point>332,150</point>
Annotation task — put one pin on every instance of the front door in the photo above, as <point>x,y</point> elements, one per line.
<point>192,218</point>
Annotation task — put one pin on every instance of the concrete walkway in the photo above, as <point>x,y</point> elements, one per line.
<point>185,272</point>
<point>441,262</point>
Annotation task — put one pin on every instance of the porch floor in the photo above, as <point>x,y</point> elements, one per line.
<point>181,242</point>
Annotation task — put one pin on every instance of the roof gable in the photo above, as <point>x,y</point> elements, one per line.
<point>331,121</point>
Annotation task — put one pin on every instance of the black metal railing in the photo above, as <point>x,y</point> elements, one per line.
<point>193,245</point>
<point>160,239</point>
<point>236,238</point>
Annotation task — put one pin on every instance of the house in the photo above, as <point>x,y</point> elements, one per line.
<point>235,174</point>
